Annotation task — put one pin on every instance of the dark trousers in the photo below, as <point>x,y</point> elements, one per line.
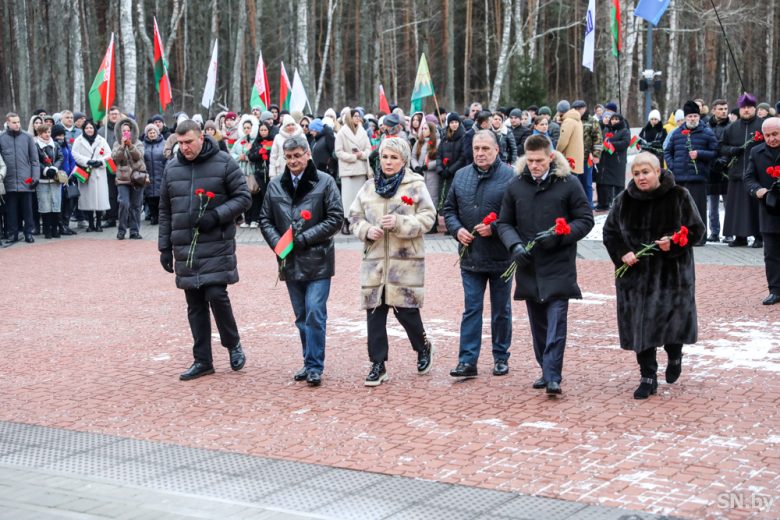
<point>698,191</point>
<point>474,285</point>
<point>17,202</point>
<point>548,330</point>
<point>198,302</point>
<point>648,365</point>
<point>253,215</point>
<point>154,208</point>
<point>410,320</point>
<point>113,213</point>
<point>66,209</point>
<point>713,201</point>
<point>606,194</point>
<point>772,261</point>
<point>586,179</point>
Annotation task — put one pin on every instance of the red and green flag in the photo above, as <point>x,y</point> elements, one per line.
<point>384,106</point>
<point>81,174</point>
<point>634,142</point>
<point>614,16</point>
<point>609,147</point>
<point>110,165</point>
<point>285,90</point>
<point>590,160</point>
<point>423,86</point>
<point>161,80</point>
<point>285,244</point>
<point>103,90</point>
<point>261,94</point>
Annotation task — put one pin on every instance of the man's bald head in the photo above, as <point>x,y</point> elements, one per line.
<point>771,131</point>
<point>770,122</point>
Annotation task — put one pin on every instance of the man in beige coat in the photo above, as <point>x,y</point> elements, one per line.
<point>571,143</point>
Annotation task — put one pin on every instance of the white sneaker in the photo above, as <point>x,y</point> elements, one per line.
<point>254,225</point>
<point>244,225</point>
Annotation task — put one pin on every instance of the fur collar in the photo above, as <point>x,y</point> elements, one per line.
<point>308,180</point>
<point>559,167</point>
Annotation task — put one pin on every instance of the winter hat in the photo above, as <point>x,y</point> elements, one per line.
<point>611,106</point>
<point>198,119</point>
<point>690,107</point>
<point>544,111</point>
<point>57,130</point>
<point>579,104</point>
<point>181,118</point>
<point>654,114</point>
<point>765,106</point>
<point>155,118</point>
<point>330,113</point>
<point>746,100</point>
<point>516,112</point>
<point>266,115</point>
<point>297,115</point>
<point>679,115</point>
<point>392,120</point>
<point>452,116</point>
<point>210,124</point>
<point>563,106</point>
<point>231,115</point>
<point>431,119</point>
<point>533,108</point>
<point>607,114</point>
<point>78,115</point>
<point>316,126</point>
<point>362,112</point>
<point>150,126</point>
<point>287,119</point>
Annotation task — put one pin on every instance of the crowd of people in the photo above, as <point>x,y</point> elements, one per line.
<point>300,179</point>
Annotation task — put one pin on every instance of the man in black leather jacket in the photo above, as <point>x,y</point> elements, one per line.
<point>307,200</point>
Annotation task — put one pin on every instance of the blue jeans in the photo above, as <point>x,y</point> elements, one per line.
<point>500,316</point>
<point>586,179</point>
<point>310,304</point>
<point>548,330</point>
<point>714,213</point>
<point>130,200</point>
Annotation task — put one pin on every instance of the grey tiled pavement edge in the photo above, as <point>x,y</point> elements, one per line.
<point>53,473</point>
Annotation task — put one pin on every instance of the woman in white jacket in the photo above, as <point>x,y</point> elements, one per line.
<point>352,150</point>
<point>91,152</point>
<point>288,129</point>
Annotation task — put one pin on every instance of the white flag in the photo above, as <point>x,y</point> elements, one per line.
<point>298,99</point>
<point>590,36</point>
<point>211,80</point>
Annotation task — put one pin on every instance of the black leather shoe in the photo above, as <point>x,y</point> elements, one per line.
<point>314,379</point>
<point>713,238</point>
<point>738,242</point>
<point>377,375</point>
<point>29,239</point>
<point>771,299</point>
<point>301,374</point>
<point>120,235</point>
<point>500,368</point>
<point>197,370</point>
<point>67,231</point>
<point>758,243</point>
<point>464,370</point>
<point>425,359</point>
<point>237,357</point>
<point>647,387</point>
<point>135,236</point>
<point>540,383</point>
<point>553,388</point>
<point>673,370</point>
<point>13,239</point>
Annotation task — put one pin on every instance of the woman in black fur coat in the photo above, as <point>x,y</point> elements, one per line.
<point>656,298</point>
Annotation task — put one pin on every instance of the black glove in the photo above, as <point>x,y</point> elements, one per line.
<point>94,163</point>
<point>33,184</point>
<point>166,260</point>
<point>50,172</point>
<point>547,241</point>
<point>738,151</point>
<point>208,221</point>
<point>445,174</point>
<point>299,241</point>
<point>520,256</point>
<point>418,169</point>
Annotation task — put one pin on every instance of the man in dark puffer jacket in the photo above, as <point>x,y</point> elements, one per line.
<point>199,165</point>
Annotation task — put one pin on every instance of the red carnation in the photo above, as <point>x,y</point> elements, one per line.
<point>571,162</point>
<point>47,160</point>
<point>306,214</point>
<point>200,191</point>
<point>758,136</point>
<point>490,218</point>
<point>210,194</point>
<point>445,161</point>
<point>561,227</point>
<point>101,152</point>
<point>773,171</point>
<point>28,181</point>
<point>71,140</point>
<point>609,135</point>
<point>680,237</point>
<point>686,132</point>
<point>407,200</point>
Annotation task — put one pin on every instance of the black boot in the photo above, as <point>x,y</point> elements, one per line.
<point>46,225</point>
<point>90,222</point>
<point>425,358</point>
<point>673,369</point>
<point>647,387</point>
<point>54,225</point>
<point>99,222</point>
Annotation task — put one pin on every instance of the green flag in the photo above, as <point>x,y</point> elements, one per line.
<point>423,86</point>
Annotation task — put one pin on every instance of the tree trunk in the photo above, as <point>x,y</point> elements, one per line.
<point>61,52</point>
<point>179,7</point>
<point>486,32</point>
<point>672,78</point>
<point>467,56</point>
<point>449,40</point>
<point>503,56</point>
<point>771,42</point>
<point>130,66</point>
<point>303,45</point>
<point>338,75</point>
<point>238,57</point>
<point>77,61</point>
<point>324,65</point>
<point>22,56</point>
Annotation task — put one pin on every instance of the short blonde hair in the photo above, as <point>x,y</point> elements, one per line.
<point>648,158</point>
<point>397,145</point>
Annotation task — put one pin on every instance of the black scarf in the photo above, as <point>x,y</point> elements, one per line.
<point>90,140</point>
<point>386,187</point>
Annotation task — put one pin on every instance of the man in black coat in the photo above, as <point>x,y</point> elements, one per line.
<point>202,193</point>
<point>22,175</point>
<point>546,277</point>
<point>741,220</point>
<point>477,191</point>
<point>764,187</point>
<point>307,200</point>
<point>717,184</point>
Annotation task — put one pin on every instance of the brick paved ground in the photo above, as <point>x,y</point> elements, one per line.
<point>95,335</point>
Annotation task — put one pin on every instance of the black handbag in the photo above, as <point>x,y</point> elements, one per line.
<point>71,191</point>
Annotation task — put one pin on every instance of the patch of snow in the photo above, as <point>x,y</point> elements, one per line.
<point>753,345</point>
<point>541,425</point>
<point>161,357</point>
<point>498,423</point>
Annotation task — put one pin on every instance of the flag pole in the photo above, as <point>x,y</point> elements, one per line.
<point>728,44</point>
<point>108,87</point>
<point>438,116</point>
<point>621,109</point>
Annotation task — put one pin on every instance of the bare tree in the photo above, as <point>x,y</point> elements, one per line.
<point>302,42</point>
<point>129,62</point>
<point>331,8</point>
<point>22,54</point>
<point>238,56</point>
<point>503,55</point>
<point>77,61</point>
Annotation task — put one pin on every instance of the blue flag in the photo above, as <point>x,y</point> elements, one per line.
<point>651,10</point>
